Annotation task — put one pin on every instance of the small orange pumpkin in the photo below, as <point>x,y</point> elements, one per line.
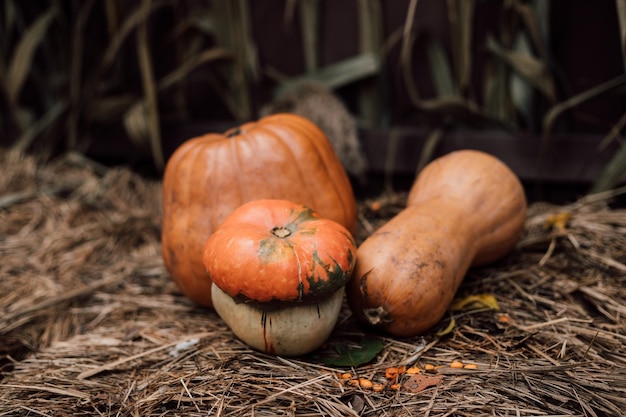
<point>282,156</point>
<point>279,251</point>
<point>278,271</point>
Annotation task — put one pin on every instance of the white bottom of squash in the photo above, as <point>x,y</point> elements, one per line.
<point>290,331</point>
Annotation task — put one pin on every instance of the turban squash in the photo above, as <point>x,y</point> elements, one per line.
<point>278,271</point>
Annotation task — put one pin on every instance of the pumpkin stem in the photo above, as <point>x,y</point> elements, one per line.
<point>281,232</point>
<point>234,132</point>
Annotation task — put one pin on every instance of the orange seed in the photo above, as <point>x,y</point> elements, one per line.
<point>456,364</point>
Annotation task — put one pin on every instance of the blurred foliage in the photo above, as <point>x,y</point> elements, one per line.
<point>70,68</point>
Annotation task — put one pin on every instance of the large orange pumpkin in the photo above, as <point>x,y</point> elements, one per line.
<point>282,156</point>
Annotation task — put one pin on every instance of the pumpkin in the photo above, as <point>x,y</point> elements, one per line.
<point>464,209</point>
<point>281,156</point>
<point>278,272</point>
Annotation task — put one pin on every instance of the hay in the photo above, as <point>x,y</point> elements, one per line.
<point>90,324</point>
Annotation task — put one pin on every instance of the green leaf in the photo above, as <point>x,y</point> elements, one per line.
<point>354,354</point>
<point>341,73</point>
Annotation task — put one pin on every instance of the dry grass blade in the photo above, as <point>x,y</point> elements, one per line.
<point>551,116</point>
<point>78,38</point>
<point>114,364</point>
<point>497,100</point>
<point>557,110</point>
<point>21,61</point>
<point>49,118</point>
<point>132,21</point>
<point>309,20</point>
<point>527,66</point>
<point>405,52</point>
<point>372,112</point>
<point>149,89</point>
<point>433,139</point>
<point>190,64</point>
<point>92,325</point>
<point>340,73</point>
<point>440,68</point>
<point>531,15</point>
<point>461,17</point>
<point>621,15</point>
<point>615,169</point>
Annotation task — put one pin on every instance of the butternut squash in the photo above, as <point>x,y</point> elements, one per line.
<point>465,209</point>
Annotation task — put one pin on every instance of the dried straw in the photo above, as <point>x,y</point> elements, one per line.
<point>90,323</point>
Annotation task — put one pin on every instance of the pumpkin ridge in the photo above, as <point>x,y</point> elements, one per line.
<point>235,152</point>
<point>284,142</point>
<point>314,143</point>
<point>212,195</point>
<point>300,281</point>
<point>320,151</point>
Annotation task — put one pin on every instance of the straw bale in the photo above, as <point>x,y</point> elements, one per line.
<point>90,323</point>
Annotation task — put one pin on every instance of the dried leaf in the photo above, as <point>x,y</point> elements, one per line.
<point>474,302</point>
<point>22,59</point>
<point>558,221</point>
<point>419,382</point>
<point>137,125</point>
<point>448,328</point>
